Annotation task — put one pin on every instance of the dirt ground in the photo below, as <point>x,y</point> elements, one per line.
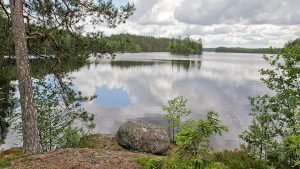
<point>106,154</point>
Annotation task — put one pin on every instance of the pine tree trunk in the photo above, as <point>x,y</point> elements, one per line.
<point>31,142</point>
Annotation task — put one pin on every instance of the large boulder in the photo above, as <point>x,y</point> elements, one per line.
<point>143,136</point>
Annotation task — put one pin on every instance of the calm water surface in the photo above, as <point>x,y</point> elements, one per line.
<point>135,86</point>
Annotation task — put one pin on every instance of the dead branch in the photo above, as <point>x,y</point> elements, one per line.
<point>4,9</point>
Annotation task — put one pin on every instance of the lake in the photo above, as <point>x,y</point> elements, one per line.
<point>136,85</point>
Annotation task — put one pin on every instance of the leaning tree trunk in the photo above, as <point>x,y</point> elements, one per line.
<point>31,142</point>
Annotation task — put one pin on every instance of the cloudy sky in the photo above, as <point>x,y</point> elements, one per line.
<point>246,23</point>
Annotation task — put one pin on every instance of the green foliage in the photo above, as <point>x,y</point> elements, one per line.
<point>8,155</point>
<point>261,132</point>
<point>89,140</point>
<point>58,107</point>
<point>218,160</point>
<point>7,101</point>
<point>71,138</point>
<point>76,138</point>
<point>150,162</point>
<point>176,110</point>
<point>185,46</point>
<point>292,43</point>
<point>293,141</point>
<point>137,43</point>
<point>5,36</point>
<point>57,33</point>
<point>247,50</point>
<point>239,160</point>
<point>193,137</point>
<point>178,161</point>
<point>273,132</point>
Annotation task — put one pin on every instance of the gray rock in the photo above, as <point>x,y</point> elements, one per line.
<point>143,136</point>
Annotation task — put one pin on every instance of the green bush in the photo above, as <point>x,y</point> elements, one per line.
<point>220,160</point>
<point>150,162</point>
<point>76,138</point>
<point>274,131</point>
<point>180,162</point>
<point>239,160</point>
<point>193,137</point>
<point>176,110</point>
<point>176,161</point>
<point>89,140</point>
<point>71,138</point>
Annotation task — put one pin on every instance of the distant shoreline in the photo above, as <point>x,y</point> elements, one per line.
<point>243,50</point>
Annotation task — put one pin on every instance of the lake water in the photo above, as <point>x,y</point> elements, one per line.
<point>135,86</point>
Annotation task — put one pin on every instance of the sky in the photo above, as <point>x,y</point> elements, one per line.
<point>244,23</point>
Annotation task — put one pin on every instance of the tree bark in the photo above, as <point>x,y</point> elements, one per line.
<point>31,141</point>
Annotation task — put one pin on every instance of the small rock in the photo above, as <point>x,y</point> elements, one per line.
<point>143,136</point>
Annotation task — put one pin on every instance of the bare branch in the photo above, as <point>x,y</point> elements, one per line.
<point>4,9</point>
<point>34,34</point>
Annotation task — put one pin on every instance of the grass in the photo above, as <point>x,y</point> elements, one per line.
<point>239,160</point>
<point>8,155</point>
<point>218,160</point>
<point>150,162</point>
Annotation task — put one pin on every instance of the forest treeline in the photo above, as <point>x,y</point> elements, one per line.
<point>247,50</point>
<point>138,43</point>
<point>187,46</point>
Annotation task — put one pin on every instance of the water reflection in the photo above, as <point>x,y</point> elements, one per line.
<point>8,75</point>
<point>6,105</point>
<point>135,86</point>
<point>178,64</point>
<point>114,97</point>
<point>147,80</point>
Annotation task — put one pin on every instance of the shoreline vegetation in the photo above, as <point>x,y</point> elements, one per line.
<point>248,50</point>
<point>243,50</point>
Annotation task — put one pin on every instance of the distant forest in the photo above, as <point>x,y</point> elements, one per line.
<point>187,46</point>
<point>247,50</point>
<point>137,43</point>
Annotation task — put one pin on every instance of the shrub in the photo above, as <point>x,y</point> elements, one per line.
<point>180,162</point>
<point>193,141</point>
<point>193,137</point>
<point>274,132</point>
<point>71,138</point>
<point>239,160</point>
<point>76,138</point>
<point>150,162</point>
<point>176,110</point>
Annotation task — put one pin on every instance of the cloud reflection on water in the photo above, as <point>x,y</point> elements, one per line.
<point>217,81</point>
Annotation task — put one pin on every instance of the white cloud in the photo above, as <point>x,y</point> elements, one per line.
<point>247,23</point>
<point>207,12</point>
